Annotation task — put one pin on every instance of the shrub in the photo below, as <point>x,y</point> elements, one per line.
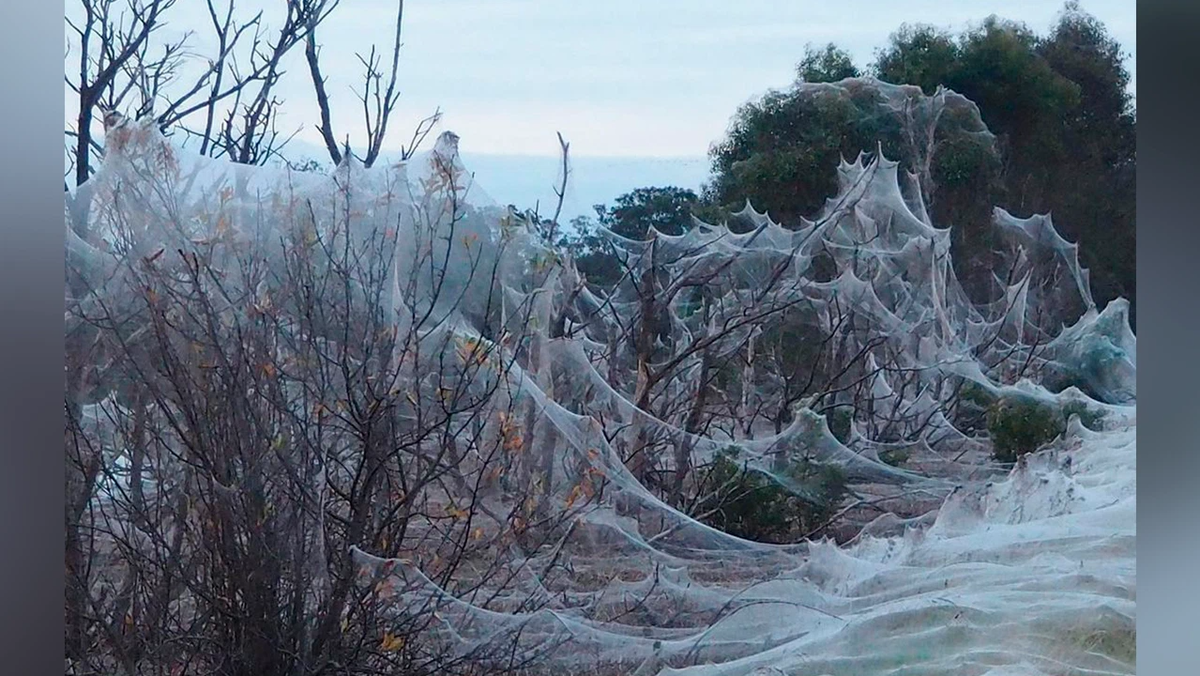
<point>974,393</point>
<point>1090,417</point>
<point>1064,379</point>
<point>751,504</point>
<point>974,402</point>
<point>838,420</point>
<point>895,456</point>
<point>1020,425</point>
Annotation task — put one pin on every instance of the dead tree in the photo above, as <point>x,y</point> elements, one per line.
<point>229,107</point>
<point>378,100</point>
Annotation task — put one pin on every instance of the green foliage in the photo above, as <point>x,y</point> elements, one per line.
<point>1019,95</point>
<point>1064,139</point>
<point>839,421</point>
<point>668,210</point>
<point>1098,209</point>
<point>975,393</point>
<point>591,252</point>
<point>1064,120</point>
<point>1021,425</point>
<point>826,64</point>
<point>972,406</point>
<point>752,505</point>
<point>712,213</point>
<point>918,55</point>
<point>781,151</point>
<point>1090,418</point>
<point>895,456</point>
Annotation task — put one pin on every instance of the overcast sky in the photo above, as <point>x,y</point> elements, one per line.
<point>621,77</point>
<point>617,77</point>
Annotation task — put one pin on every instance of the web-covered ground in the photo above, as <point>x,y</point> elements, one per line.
<point>948,563</point>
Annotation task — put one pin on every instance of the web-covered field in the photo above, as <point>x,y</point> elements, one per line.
<point>471,458</point>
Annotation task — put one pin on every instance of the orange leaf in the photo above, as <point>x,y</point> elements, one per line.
<point>574,495</point>
<point>391,642</point>
<point>385,588</point>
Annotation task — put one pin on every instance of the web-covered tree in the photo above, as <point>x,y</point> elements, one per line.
<point>668,209</point>
<point>780,152</point>
<point>1060,107</point>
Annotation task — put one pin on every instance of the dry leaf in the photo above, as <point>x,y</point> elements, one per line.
<point>574,495</point>
<point>391,642</point>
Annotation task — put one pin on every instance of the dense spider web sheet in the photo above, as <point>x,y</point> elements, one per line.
<point>970,568</point>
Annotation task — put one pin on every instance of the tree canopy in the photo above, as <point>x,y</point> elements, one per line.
<point>1062,125</point>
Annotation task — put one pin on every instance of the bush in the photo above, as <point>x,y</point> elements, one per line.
<point>895,456</point>
<point>753,505</point>
<point>971,409</point>
<point>1059,381</point>
<point>1021,425</point>
<point>1090,417</point>
<point>975,393</point>
<point>839,422</point>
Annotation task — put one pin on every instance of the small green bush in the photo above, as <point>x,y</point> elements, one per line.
<point>974,401</point>
<point>895,456</point>
<point>1020,425</point>
<point>838,420</point>
<point>975,393</point>
<point>752,505</point>
<point>1090,417</point>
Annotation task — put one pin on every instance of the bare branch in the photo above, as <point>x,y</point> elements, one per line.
<point>318,80</point>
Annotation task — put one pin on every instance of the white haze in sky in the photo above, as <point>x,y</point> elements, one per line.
<point>651,82</point>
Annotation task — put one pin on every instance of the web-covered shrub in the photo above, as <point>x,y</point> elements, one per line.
<point>1020,425</point>
<point>1090,417</point>
<point>755,506</point>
